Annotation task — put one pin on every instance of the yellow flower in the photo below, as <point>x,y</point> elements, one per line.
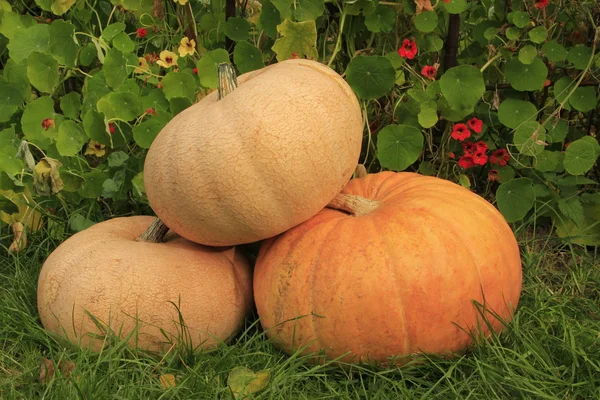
<point>95,148</point>
<point>167,59</point>
<point>142,66</point>
<point>182,2</point>
<point>186,47</point>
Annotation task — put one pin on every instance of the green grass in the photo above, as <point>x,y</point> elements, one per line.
<point>550,351</point>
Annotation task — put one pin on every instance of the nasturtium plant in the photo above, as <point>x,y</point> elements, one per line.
<point>504,102</point>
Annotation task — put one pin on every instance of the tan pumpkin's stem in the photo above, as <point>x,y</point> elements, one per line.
<point>353,204</point>
<point>227,83</point>
<point>227,80</point>
<point>155,233</point>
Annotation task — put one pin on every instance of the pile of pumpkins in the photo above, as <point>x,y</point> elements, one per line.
<point>379,267</point>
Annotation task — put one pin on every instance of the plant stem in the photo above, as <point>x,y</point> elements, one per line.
<point>490,61</point>
<point>155,233</point>
<point>353,204</point>
<point>338,43</point>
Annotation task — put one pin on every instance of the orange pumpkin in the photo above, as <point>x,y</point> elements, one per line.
<point>106,278</point>
<point>396,274</point>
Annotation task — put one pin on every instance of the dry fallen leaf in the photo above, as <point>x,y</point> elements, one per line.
<point>423,5</point>
<point>20,238</point>
<point>46,178</point>
<point>46,371</point>
<point>243,381</point>
<point>66,368</point>
<point>167,381</point>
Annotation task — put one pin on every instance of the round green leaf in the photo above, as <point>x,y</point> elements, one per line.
<point>178,84</point>
<point>451,114</point>
<point>370,76</point>
<point>88,54</point>
<point>14,23</point>
<point>70,104</point>
<point>580,56</point>
<point>59,7</point>
<point>17,75</point>
<point>35,38</point>
<point>208,67</point>
<point>308,10</point>
<point>269,18</point>
<point>10,100</point>
<point>178,104</point>
<point>512,33</point>
<point>92,187</point>
<point>42,71</point>
<point>398,146</point>
<point>155,99</point>
<point>547,161</point>
<point>538,34</point>
<point>247,57</point>
<point>554,51</point>
<point>95,127</point>
<point>515,198</point>
<point>425,22</point>
<point>117,158</point>
<point>70,139</point>
<point>31,121</point>
<point>120,105</point>
<point>112,30</point>
<point>428,117</point>
<point>523,77</point>
<point>115,68</point>
<point>513,112</point>
<point>123,43</point>
<point>557,130</point>
<point>145,133</point>
<point>520,19</point>
<point>62,42</point>
<point>530,138</point>
<point>456,6</point>
<point>382,19</point>
<point>580,157</point>
<point>584,99</point>
<point>562,88</point>
<point>462,86</point>
<point>527,54</point>
<point>237,28</point>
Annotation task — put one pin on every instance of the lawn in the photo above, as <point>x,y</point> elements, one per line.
<point>551,350</point>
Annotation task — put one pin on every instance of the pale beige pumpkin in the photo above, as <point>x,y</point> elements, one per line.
<point>106,272</point>
<point>397,276</point>
<point>266,157</point>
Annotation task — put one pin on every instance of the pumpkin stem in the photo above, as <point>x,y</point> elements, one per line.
<point>155,233</point>
<point>227,79</point>
<point>353,204</point>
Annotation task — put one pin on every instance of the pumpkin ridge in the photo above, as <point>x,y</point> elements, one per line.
<point>315,264</point>
<point>407,340</point>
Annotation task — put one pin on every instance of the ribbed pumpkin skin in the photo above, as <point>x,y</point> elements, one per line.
<point>392,282</point>
<point>105,271</point>
<point>266,157</point>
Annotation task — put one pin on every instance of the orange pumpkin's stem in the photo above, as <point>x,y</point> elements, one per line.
<point>155,233</point>
<point>353,204</point>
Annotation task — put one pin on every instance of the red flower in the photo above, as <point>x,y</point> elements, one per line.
<point>195,71</point>
<point>408,49</point>
<point>159,85</point>
<point>47,123</point>
<point>294,55</point>
<point>111,128</point>
<point>541,3</point>
<point>547,82</point>
<point>493,175</point>
<point>469,148</point>
<point>500,157</point>
<point>466,161</point>
<point>480,158</point>
<point>481,146</point>
<point>429,72</point>
<point>141,32</point>
<point>151,111</point>
<point>446,1</point>
<point>451,155</point>
<point>475,124</point>
<point>460,132</point>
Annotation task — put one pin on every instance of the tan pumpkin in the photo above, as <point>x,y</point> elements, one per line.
<point>128,284</point>
<point>394,275</point>
<point>264,158</point>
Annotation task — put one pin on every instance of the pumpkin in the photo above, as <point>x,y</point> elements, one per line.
<point>262,159</point>
<point>395,266</point>
<point>106,279</point>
